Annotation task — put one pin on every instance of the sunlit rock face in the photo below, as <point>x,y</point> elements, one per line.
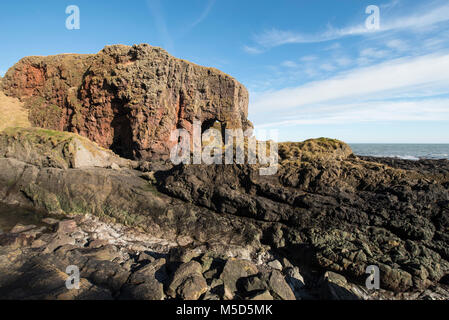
<point>128,99</point>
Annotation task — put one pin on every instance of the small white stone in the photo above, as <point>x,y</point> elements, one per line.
<point>275,264</point>
<point>115,166</point>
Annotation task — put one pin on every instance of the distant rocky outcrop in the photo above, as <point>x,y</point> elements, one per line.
<point>128,99</point>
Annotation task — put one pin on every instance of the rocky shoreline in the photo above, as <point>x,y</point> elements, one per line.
<point>120,263</point>
<point>140,227</point>
<point>162,219</point>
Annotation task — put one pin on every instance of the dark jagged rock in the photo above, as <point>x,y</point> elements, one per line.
<point>111,268</point>
<point>336,212</point>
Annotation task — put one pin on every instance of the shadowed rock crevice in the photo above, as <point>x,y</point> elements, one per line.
<point>122,142</point>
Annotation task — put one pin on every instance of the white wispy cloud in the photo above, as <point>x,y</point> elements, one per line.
<point>368,90</point>
<point>373,53</point>
<point>343,61</point>
<point>289,64</point>
<point>160,23</point>
<point>390,5</point>
<point>252,50</point>
<point>327,67</point>
<point>424,18</point>
<point>415,22</point>
<point>308,58</point>
<point>420,110</point>
<point>205,13</point>
<point>398,45</point>
<point>392,77</point>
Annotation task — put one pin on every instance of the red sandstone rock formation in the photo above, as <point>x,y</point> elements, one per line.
<point>128,99</point>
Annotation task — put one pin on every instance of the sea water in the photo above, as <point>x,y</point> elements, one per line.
<point>402,151</point>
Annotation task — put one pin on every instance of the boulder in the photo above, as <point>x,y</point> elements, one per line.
<point>188,281</point>
<point>146,283</point>
<point>265,295</point>
<point>50,221</point>
<point>48,148</point>
<point>149,290</point>
<point>66,226</point>
<point>183,254</point>
<point>153,270</point>
<point>16,240</point>
<point>206,261</point>
<point>59,240</point>
<point>234,270</point>
<point>192,287</point>
<point>295,280</point>
<point>322,149</point>
<point>275,264</point>
<point>19,228</point>
<point>253,284</point>
<point>335,287</point>
<point>145,257</point>
<point>279,287</point>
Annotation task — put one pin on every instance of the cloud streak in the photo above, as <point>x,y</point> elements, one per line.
<point>416,22</point>
<point>393,78</point>
<point>402,89</point>
<point>421,110</point>
<point>205,13</point>
<point>160,23</point>
<point>252,50</point>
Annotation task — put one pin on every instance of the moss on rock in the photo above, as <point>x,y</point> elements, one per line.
<point>50,148</point>
<point>314,149</point>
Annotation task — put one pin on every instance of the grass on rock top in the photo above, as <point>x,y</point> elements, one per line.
<point>310,149</point>
<point>40,135</point>
<point>51,138</point>
<point>12,113</point>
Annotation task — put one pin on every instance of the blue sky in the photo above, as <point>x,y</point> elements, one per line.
<point>312,67</point>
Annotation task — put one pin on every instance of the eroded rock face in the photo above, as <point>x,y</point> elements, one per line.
<point>127,99</point>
